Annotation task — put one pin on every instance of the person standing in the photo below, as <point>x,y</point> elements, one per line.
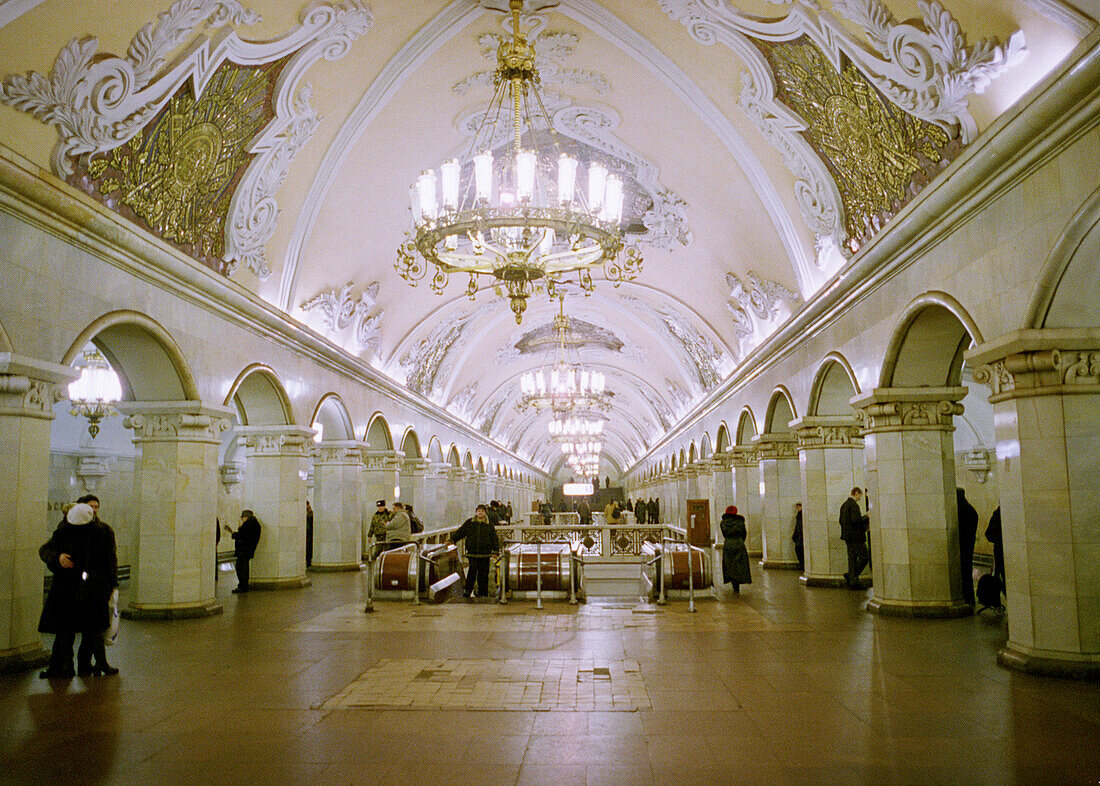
<point>735,557</point>
<point>584,513</point>
<point>799,549</point>
<point>378,521</point>
<point>993,535</point>
<point>640,511</point>
<point>309,534</point>
<point>654,510</point>
<point>481,544</point>
<point>245,540</point>
<point>546,513</point>
<point>853,531</point>
<point>82,556</point>
<point>968,533</point>
<point>399,527</point>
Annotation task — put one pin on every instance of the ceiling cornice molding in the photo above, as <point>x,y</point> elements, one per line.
<point>32,195</point>
<point>10,10</point>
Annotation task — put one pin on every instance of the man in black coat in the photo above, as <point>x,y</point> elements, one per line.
<point>481,544</point>
<point>245,539</point>
<point>993,535</point>
<point>853,531</point>
<point>584,513</point>
<point>968,532</point>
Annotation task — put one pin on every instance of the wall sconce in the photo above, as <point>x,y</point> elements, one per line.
<point>979,462</point>
<point>95,393</point>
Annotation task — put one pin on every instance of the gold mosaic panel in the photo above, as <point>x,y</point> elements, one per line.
<point>513,684</point>
<point>879,156</point>
<point>176,178</point>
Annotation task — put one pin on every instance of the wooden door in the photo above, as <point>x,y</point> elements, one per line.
<point>698,522</point>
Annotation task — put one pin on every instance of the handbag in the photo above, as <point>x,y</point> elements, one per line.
<point>110,636</point>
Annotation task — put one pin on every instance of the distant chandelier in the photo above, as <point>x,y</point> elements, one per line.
<point>507,217</point>
<point>586,465</point>
<point>574,429</point>
<point>573,448</point>
<point>95,392</point>
<point>564,387</point>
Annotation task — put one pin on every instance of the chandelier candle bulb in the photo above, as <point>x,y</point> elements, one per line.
<point>613,200</point>
<point>567,178</point>
<point>450,172</point>
<point>483,175</point>
<point>597,182</point>
<point>546,246</point>
<point>425,186</point>
<point>526,163</point>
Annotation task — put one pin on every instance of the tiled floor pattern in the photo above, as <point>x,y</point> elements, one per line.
<point>513,684</point>
<point>782,684</point>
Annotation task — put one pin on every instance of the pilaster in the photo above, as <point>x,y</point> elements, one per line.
<point>275,489</point>
<point>747,496</point>
<point>176,492</point>
<point>1046,402</point>
<point>781,486</point>
<point>721,490</point>
<point>381,470</point>
<point>28,390</point>
<point>830,458</point>
<point>914,516</point>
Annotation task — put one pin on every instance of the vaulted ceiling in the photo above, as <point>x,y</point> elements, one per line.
<point>756,140</point>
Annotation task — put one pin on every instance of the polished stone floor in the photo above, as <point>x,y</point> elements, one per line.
<point>780,685</point>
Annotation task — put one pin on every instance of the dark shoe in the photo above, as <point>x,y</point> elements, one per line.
<point>105,669</point>
<point>85,670</point>
<point>57,674</point>
<point>240,589</point>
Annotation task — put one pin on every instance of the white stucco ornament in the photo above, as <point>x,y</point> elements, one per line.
<point>99,101</point>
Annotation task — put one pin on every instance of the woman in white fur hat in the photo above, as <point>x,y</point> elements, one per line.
<point>82,557</point>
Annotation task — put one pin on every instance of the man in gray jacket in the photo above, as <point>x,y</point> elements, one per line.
<point>399,527</point>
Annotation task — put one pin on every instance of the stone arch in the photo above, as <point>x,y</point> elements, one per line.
<point>435,450</point>
<point>780,412</point>
<point>453,457</point>
<point>704,446</point>
<point>833,386</point>
<point>378,435</point>
<point>746,426</point>
<point>146,358</point>
<point>1066,294</point>
<point>5,342</point>
<point>927,345</point>
<point>692,456</point>
<point>260,398</point>
<point>332,415</point>
<point>410,444</point>
<point>722,443</point>
<point>480,465</point>
<point>683,458</point>
<point>468,460</point>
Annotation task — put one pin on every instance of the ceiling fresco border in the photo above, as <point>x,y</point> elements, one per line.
<point>925,68</point>
<point>98,101</point>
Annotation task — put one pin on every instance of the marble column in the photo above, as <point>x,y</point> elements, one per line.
<point>455,509</point>
<point>338,506</point>
<point>747,498</point>
<point>28,390</point>
<point>176,492</point>
<point>706,469</point>
<point>275,490</point>
<point>414,471</point>
<point>910,457</point>
<point>1046,401</point>
<point>781,482</point>
<point>381,470</point>
<point>722,491</point>
<point>830,456</point>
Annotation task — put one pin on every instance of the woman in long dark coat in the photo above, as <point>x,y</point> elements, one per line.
<point>81,555</point>
<point>735,557</point>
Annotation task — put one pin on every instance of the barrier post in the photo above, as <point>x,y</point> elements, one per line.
<point>416,573</point>
<point>370,579</point>
<point>661,601</point>
<point>538,573</point>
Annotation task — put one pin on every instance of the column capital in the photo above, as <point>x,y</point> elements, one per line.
<point>388,460</point>
<point>30,387</point>
<point>775,446</point>
<point>910,409</point>
<point>828,431</point>
<point>175,421</point>
<point>339,452</point>
<point>723,461</point>
<point>1032,363</point>
<point>744,456</point>
<point>416,466</point>
<point>277,440</point>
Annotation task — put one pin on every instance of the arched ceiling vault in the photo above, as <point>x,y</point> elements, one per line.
<point>745,198</point>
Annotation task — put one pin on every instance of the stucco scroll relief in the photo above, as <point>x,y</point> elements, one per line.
<point>339,308</point>
<point>758,306</point>
<point>100,101</point>
<point>924,67</point>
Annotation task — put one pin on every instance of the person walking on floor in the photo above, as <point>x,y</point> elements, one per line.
<point>82,556</point>
<point>968,533</point>
<point>481,544</point>
<point>245,540</point>
<point>309,534</point>
<point>735,557</point>
<point>853,531</point>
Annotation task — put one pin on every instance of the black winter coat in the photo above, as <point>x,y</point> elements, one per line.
<point>735,557</point>
<point>78,596</point>
<point>246,538</point>
<point>853,524</point>
<point>481,538</point>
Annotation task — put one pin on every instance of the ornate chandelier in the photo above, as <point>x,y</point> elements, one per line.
<point>563,387</point>
<point>574,429</point>
<point>585,465</point>
<point>572,448</point>
<point>95,392</point>
<point>505,216</point>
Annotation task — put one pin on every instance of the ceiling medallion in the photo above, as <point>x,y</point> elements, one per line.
<point>505,216</point>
